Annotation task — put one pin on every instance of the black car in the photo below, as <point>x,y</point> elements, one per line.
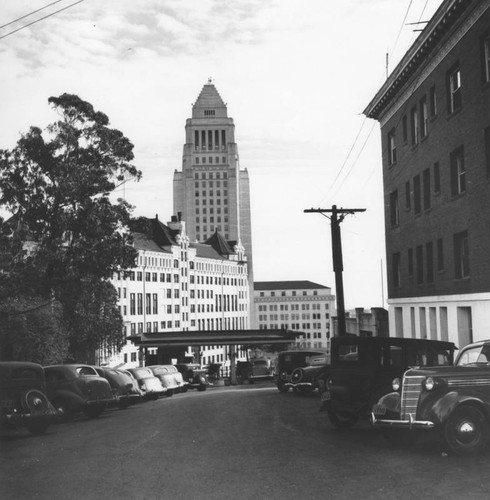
<point>362,370</point>
<point>23,399</point>
<point>194,375</point>
<point>452,399</point>
<point>253,370</point>
<point>125,390</point>
<point>292,365</point>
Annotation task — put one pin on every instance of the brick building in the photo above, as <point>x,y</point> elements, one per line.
<point>434,112</point>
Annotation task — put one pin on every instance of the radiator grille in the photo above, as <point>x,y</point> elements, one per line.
<point>411,389</point>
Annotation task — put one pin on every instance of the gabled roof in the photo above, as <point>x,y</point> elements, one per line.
<point>162,234</point>
<point>206,251</point>
<point>219,244</point>
<point>287,285</point>
<point>142,242</point>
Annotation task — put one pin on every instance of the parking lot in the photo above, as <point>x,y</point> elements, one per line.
<point>238,442</point>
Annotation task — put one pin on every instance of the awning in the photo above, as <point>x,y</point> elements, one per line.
<point>214,337</point>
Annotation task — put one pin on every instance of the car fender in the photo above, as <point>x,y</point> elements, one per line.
<point>73,400</point>
<point>444,406</point>
<point>391,402</point>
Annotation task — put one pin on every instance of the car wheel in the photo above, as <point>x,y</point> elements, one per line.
<point>66,413</point>
<point>93,411</point>
<point>37,428</point>
<point>202,387</point>
<point>282,387</point>
<point>342,420</point>
<point>466,430</point>
<point>184,388</point>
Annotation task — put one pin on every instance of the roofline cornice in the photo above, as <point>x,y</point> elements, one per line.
<point>446,17</point>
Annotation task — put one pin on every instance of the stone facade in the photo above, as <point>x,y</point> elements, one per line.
<point>296,305</point>
<point>181,286</point>
<point>212,192</point>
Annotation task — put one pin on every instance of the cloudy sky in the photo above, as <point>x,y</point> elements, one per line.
<point>296,75</point>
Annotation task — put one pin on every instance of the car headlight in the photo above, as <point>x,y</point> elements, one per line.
<point>396,384</point>
<point>429,383</point>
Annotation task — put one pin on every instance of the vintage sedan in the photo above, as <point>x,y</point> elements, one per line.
<point>126,392</point>
<point>195,376</point>
<point>75,388</point>
<point>23,399</point>
<point>253,370</point>
<point>170,378</point>
<point>289,361</point>
<point>362,369</point>
<point>454,400</point>
<point>150,385</point>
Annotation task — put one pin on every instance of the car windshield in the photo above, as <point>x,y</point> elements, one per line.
<point>477,354</point>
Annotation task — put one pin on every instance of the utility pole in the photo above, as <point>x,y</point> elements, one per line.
<point>338,215</point>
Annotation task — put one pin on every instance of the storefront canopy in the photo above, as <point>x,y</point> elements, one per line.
<point>214,337</point>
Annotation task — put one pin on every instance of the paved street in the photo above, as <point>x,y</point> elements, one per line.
<point>239,442</point>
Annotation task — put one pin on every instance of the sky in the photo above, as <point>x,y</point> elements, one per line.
<point>296,76</point>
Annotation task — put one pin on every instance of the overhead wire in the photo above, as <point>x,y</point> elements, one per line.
<point>30,14</point>
<point>362,125</point>
<point>40,19</point>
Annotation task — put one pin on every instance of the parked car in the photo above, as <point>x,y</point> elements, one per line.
<point>170,378</point>
<point>213,371</point>
<point>194,375</point>
<point>307,379</point>
<point>288,361</point>
<point>23,399</point>
<point>255,369</point>
<point>362,369</point>
<point>150,385</point>
<point>126,392</point>
<point>454,400</point>
<point>74,388</point>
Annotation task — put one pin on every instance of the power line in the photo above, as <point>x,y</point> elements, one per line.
<point>41,19</point>
<point>30,14</point>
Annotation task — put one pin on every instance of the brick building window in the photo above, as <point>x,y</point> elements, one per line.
<point>427,189</point>
<point>454,89</point>
<point>486,58</point>
<point>419,257</point>
<point>408,202</point>
<point>429,260</point>
<point>404,128</point>
<point>416,194</point>
<point>424,118</point>
<point>414,125</point>
<point>433,101</point>
<point>437,178</point>
<point>394,212</point>
<point>461,255</point>
<point>458,172</point>
<point>391,147</point>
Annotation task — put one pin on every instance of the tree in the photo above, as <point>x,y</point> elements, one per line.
<point>58,184</point>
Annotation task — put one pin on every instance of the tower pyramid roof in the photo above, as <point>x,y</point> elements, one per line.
<point>209,99</point>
